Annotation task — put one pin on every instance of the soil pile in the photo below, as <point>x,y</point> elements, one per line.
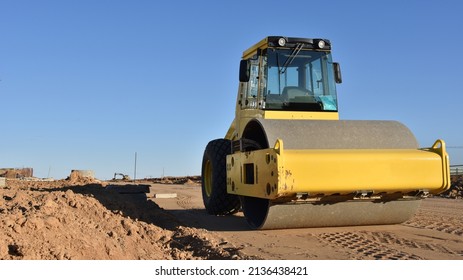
<point>191,180</point>
<point>456,188</point>
<point>79,218</point>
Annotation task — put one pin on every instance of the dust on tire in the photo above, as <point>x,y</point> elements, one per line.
<point>215,197</point>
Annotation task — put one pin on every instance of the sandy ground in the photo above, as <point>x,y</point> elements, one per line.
<point>435,232</point>
<point>81,219</point>
<point>84,220</point>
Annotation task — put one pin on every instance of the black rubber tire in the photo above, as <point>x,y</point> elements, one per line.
<point>214,179</point>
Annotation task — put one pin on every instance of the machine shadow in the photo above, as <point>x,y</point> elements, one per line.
<point>199,218</point>
<point>138,206</point>
<point>134,206</point>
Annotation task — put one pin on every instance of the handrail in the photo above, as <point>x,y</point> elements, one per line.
<point>456,169</point>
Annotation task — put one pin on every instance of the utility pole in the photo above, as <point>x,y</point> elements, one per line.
<point>135,169</point>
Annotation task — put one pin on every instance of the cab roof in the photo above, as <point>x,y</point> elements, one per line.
<point>287,42</point>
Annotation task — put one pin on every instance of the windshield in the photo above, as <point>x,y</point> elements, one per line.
<point>298,80</point>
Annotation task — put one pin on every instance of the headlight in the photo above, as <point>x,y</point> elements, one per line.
<point>321,44</point>
<point>281,42</point>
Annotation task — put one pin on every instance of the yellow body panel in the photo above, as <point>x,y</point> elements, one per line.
<point>246,115</point>
<point>262,44</point>
<point>274,173</point>
<point>291,115</point>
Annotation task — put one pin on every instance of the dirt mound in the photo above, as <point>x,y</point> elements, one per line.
<point>191,180</point>
<point>74,219</point>
<point>79,177</point>
<point>456,188</point>
<point>16,172</point>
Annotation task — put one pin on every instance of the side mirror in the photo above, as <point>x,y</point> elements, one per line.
<point>337,72</point>
<point>244,71</point>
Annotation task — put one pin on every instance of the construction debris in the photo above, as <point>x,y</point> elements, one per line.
<point>15,173</point>
<point>164,195</point>
<point>191,180</point>
<point>82,177</point>
<point>456,188</point>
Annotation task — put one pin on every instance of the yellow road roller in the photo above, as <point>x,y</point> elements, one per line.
<point>287,161</point>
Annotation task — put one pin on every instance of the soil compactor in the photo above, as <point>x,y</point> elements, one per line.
<point>288,161</point>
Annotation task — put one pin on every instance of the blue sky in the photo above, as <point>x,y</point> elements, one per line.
<point>87,84</point>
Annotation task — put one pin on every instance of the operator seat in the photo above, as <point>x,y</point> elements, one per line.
<point>292,92</point>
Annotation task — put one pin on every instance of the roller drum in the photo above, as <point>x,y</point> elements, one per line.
<point>326,134</point>
<point>263,214</point>
<point>337,134</point>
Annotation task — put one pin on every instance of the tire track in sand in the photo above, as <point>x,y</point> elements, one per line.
<point>438,214</point>
<point>184,201</point>
<point>363,247</point>
<point>391,239</point>
<point>439,226</point>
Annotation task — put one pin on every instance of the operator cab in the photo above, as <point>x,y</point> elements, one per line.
<point>289,74</point>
